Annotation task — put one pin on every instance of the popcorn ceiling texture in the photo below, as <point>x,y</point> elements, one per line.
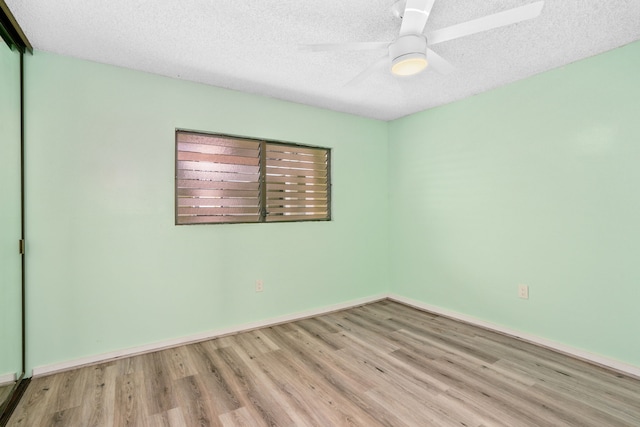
<point>253,46</point>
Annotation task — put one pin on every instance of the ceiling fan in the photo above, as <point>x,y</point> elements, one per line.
<point>410,53</point>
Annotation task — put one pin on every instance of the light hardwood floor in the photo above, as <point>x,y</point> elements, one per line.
<point>4,392</point>
<point>382,364</point>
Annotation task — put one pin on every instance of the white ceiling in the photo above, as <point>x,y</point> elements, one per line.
<point>253,46</point>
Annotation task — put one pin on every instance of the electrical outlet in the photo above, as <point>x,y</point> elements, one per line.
<point>259,286</point>
<point>523,291</point>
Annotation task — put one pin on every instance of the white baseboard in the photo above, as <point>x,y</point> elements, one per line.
<point>7,379</point>
<point>561,348</point>
<point>119,354</point>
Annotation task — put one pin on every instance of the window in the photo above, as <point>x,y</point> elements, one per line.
<point>224,179</point>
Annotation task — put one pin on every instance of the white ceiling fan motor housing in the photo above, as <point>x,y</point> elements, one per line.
<point>408,54</point>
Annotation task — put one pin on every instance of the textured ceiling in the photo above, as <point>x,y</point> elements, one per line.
<point>253,46</point>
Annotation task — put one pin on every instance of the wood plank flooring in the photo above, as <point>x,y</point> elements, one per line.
<point>4,392</point>
<point>382,364</point>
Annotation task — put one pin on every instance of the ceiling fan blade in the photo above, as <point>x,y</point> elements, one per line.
<point>486,23</point>
<point>378,65</point>
<point>414,18</point>
<point>438,63</point>
<point>326,47</point>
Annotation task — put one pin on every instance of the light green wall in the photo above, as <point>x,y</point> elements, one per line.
<point>10,263</point>
<point>531,183</point>
<point>108,270</point>
<point>535,183</point>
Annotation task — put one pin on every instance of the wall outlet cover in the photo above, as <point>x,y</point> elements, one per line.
<point>523,291</point>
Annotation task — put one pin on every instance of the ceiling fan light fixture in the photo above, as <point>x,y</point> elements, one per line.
<point>410,64</point>
<point>408,55</point>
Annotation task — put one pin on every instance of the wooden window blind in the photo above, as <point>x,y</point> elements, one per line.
<point>223,179</point>
<point>297,183</point>
<point>217,179</point>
